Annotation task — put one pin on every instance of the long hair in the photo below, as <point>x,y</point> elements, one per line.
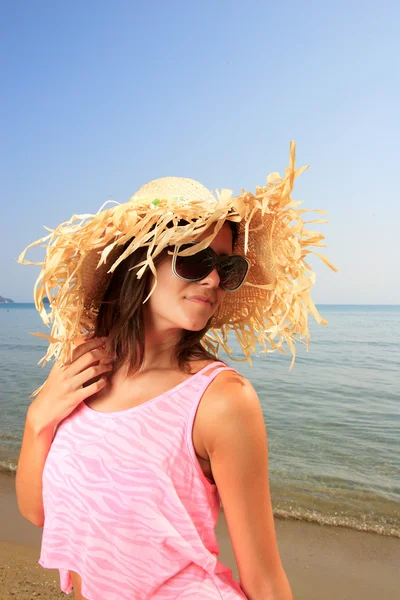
<point>121,316</point>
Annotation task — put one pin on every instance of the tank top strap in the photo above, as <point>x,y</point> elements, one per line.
<point>207,375</point>
<point>213,369</point>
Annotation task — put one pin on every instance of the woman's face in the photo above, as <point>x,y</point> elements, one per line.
<point>171,305</point>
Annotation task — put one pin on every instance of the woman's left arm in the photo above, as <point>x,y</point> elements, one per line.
<point>236,442</point>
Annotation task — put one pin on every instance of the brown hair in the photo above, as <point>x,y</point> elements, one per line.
<point>120,316</point>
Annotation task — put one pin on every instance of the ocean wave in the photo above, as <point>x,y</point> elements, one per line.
<point>359,524</point>
<point>24,347</point>
<point>9,436</point>
<point>7,466</point>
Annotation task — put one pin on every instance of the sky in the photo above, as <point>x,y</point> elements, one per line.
<point>98,98</point>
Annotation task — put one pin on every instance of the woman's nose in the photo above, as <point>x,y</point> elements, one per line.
<point>212,278</point>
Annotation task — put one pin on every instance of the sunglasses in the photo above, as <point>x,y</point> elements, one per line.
<point>232,270</point>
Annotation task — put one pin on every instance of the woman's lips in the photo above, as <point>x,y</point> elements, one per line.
<point>199,301</point>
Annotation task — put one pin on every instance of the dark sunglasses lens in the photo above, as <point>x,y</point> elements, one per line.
<point>195,266</point>
<point>232,272</point>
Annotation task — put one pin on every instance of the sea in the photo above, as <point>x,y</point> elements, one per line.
<point>333,421</point>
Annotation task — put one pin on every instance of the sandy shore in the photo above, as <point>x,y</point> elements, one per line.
<point>322,563</point>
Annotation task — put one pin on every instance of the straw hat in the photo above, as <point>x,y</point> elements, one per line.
<point>270,308</point>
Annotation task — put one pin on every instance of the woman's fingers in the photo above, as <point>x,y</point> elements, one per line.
<point>85,347</point>
<point>96,356</point>
<point>91,389</point>
<point>90,373</point>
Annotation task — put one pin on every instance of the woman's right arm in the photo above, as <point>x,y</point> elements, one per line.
<point>35,447</point>
<point>63,391</point>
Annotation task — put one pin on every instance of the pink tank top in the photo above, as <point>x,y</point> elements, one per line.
<point>128,507</point>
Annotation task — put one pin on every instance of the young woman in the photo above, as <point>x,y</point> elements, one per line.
<point>135,439</point>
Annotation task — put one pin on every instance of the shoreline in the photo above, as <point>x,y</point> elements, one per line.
<point>322,562</point>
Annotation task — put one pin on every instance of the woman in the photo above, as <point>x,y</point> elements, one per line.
<point>139,432</point>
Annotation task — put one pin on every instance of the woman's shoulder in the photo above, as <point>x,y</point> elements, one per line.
<point>228,400</point>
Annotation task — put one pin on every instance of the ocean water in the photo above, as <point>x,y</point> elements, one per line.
<point>333,422</point>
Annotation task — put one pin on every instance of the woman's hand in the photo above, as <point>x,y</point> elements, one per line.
<point>68,386</point>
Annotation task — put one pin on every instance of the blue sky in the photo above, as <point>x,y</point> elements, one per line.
<point>97,98</point>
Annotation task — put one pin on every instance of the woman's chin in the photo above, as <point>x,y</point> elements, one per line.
<point>195,318</point>
<point>197,325</point>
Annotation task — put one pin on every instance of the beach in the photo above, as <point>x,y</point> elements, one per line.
<point>322,562</point>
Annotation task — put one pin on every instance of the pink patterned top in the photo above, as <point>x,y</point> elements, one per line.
<point>128,507</point>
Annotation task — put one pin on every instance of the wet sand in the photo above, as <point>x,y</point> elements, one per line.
<point>322,562</point>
